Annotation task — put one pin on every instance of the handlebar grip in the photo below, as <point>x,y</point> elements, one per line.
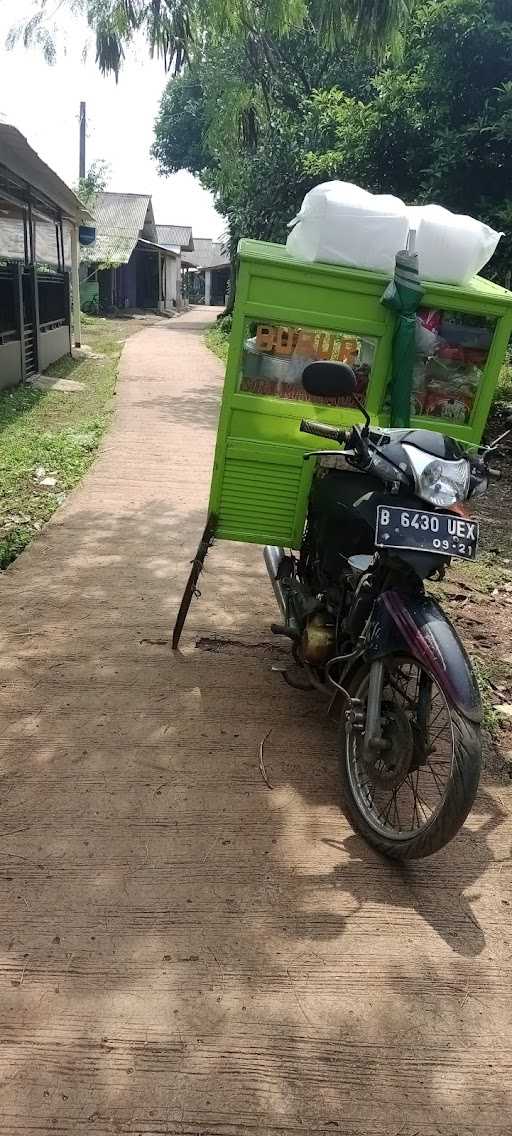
<point>493,473</point>
<point>321,430</point>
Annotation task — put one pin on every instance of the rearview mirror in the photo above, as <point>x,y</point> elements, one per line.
<point>328,380</point>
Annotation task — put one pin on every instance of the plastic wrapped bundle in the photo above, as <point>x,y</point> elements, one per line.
<point>452,248</point>
<point>339,223</point>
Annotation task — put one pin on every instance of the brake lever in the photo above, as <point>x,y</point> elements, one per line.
<point>328,454</point>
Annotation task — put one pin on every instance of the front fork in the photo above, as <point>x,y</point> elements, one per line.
<point>373,742</point>
<point>371,725</point>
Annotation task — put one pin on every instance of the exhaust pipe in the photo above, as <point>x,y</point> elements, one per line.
<point>273,557</point>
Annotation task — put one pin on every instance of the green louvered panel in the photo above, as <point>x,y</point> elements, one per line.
<point>261,499</point>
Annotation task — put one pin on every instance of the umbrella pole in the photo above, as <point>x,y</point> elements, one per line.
<point>406,279</point>
<point>401,390</point>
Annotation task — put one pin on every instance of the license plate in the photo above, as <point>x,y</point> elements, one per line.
<point>445,533</point>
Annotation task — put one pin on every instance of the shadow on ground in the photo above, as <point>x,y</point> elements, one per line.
<point>185,950</point>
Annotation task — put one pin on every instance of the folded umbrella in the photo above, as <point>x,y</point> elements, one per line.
<point>403,295</point>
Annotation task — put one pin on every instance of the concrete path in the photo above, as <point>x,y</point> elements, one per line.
<point>182,950</point>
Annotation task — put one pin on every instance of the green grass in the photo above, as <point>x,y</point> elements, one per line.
<point>490,673</point>
<point>483,574</point>
<point>504,388</point>
<point>217,339</point>
<point>58,431</point>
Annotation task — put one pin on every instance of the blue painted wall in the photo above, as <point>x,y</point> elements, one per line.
<point>127,283</point>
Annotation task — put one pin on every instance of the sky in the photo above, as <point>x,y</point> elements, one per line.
<point>43,102</point>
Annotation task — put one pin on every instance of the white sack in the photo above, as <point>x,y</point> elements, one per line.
<point>339,223</point>
<point>451,247</point>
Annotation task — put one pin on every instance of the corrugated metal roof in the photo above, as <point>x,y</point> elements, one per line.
<point>158,248</point>
<point>220,258</point>
<point>206,254</point>
<point>175,235</point>
<point>22,161</point>
<point>202,253</point>
<point>119,221</point>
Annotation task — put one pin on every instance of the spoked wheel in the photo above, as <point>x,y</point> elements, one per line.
<point>412,797</point>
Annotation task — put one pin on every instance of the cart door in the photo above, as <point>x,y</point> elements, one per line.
<point>261,481</point>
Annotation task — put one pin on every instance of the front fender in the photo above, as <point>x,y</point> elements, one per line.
<point>419,625</point>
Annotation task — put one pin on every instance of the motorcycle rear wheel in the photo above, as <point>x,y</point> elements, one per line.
<point>411,801</point>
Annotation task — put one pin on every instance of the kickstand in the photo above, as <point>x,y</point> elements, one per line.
<point>191,586</point>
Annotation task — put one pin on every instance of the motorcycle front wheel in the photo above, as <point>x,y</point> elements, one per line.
<point>411,798</point>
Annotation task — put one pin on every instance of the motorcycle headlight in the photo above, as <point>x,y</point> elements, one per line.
<point>438,481</point>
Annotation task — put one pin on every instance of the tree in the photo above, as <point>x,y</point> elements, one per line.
<point>439,126</point>
<point>434,125</point>
<point>94,182</point>
<point>239,124</point>
<point>175,29</point>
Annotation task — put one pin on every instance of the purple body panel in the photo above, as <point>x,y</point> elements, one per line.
<point>419,624</point>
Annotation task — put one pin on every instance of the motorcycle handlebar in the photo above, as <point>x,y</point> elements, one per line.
<point>321,430</point>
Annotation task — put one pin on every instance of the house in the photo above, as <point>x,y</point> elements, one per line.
<point>39,233</point>
<point>208,270</point>
<point>177,239</point>
<point>126,266</point>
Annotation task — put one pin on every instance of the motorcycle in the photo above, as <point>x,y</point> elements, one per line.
<point>364,630</point>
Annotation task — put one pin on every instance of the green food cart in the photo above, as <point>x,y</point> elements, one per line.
<point>288,313</point>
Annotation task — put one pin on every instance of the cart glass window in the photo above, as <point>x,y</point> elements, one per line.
<point>274,357</point>
<point>451,355</point>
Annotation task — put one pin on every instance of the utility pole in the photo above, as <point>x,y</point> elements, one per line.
<point>75,246</point>
<point>81,165</point>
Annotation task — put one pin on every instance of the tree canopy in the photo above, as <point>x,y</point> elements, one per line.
<point>175,29</point>
<point>432,125</point>
<point>269,97</point>
<point>439,125</point>
<point>239,123</point>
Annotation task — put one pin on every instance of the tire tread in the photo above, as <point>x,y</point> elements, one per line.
<point>458,802</point>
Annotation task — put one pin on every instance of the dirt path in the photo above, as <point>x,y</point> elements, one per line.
<point>184,951</point>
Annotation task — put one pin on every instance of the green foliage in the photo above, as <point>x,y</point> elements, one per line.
<point>504,388</point>
<point>176,29</point>
<point>259,194</point>
<point>439,124</point>
<point>94,182</point>
<point>368,26</point>
<point>236,117</point>
<point>217,339</point>
<point>491,672</point>
<point>262,119</point>
<point>184,146</point>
